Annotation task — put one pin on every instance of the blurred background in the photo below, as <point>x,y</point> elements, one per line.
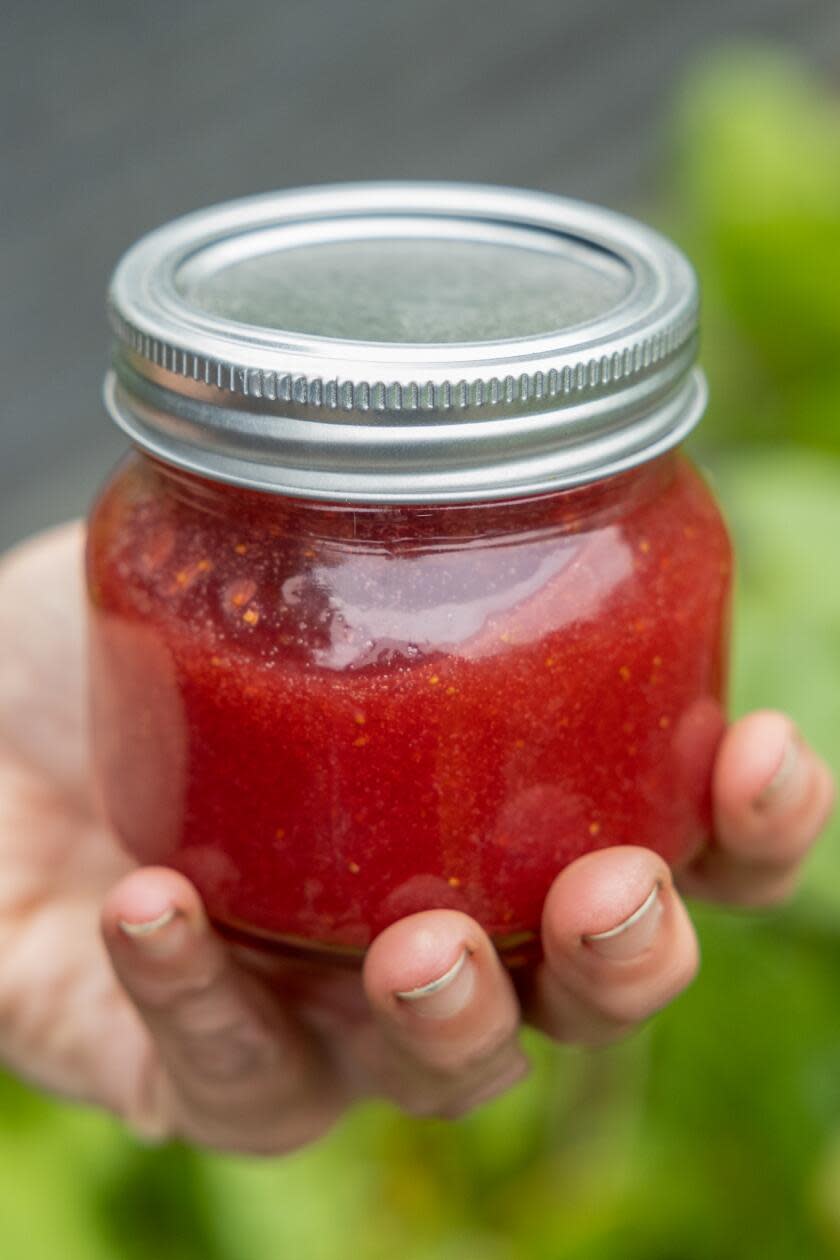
<point>714,1134</point>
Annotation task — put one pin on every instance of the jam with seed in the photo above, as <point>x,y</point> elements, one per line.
<point>329,716</point>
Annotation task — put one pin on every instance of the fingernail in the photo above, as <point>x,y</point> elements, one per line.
<point>151,934</point>
<point>633,936</point>
<point>448,995</point>
<point>784,774</point>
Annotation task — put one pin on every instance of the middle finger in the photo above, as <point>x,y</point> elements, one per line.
<point>446,1015</point>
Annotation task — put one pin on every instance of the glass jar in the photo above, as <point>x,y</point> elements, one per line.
<point>407,597</point>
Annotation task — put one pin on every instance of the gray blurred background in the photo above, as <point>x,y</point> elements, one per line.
<point>118,117</point>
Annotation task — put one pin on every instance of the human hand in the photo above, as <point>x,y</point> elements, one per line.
<point>156,1018</point>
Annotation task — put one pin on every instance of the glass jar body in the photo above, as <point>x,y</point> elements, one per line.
<point>330,716</point>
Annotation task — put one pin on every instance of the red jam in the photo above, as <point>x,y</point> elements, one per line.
<point>329,716</point>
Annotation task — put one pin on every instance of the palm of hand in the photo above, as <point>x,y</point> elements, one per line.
<point>66,1024</point>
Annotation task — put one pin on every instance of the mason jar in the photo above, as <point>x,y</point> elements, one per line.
<point>407,596</point>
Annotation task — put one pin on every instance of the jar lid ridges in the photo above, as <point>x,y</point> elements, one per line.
<point>236,324</point>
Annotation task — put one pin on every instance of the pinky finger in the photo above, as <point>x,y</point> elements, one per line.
<point>773,796</point>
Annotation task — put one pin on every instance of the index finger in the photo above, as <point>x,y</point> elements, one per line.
<point>236,1071</point>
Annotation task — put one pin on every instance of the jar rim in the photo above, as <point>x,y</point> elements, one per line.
<point>596,377</point>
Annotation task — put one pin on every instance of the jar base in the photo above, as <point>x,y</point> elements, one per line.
<point>515,949</point>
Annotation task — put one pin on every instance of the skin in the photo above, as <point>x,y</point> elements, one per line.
<point>114,989</point>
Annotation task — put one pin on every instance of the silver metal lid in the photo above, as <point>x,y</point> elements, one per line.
<point>405,343</point>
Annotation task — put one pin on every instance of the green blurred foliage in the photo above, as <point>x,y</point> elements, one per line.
<point>715,1133</point>
<point>756,203</point>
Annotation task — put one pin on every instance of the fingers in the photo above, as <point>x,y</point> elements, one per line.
<point>618,945</point>
<point>772,797</point>
<point>447,1013</point>
<point>236,1073</point>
